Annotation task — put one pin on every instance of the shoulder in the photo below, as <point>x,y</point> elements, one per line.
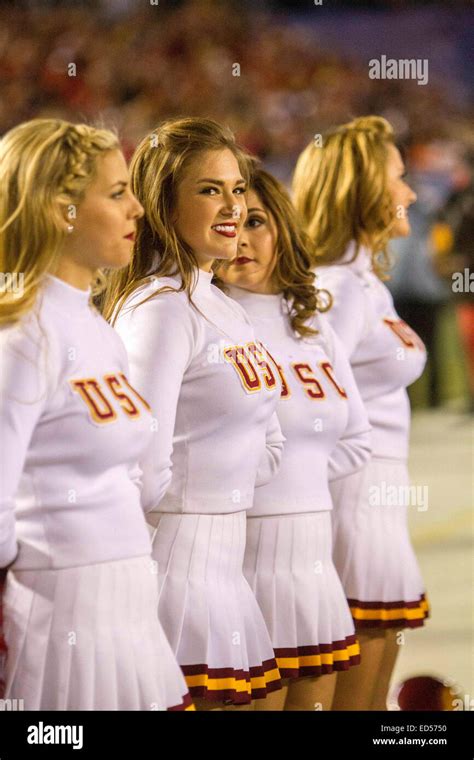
<point>31,355</point>
<point>157,312</point>
<point>339,277</point>
<point>34,333</point>
<point>158,296</point>
<point>229,302</point>
<point>25,335</point>
<point>325,333</point>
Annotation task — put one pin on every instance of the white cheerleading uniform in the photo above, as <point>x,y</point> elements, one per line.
<point>372,548</point>
<point>80,598</point>
<point>214,391</point>
<point>288,560</point>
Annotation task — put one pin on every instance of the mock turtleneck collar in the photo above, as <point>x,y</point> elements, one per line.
<point>363,261</point>
<point>258,304</point>
<point>65,295</point>
<point>202,279</point>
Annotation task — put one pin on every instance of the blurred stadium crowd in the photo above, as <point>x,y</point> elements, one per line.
<point>137,67</point>
<point>139,62</point>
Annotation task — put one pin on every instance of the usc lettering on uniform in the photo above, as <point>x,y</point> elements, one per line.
<point>312,387</point>
<point>285,388</point>
<point>102,408</point>
<point>253,361</point>
<point>403,331</point>
<point>329,372</point>
<point>244,358</point>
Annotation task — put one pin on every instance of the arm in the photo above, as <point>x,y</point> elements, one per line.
<point>347,313</point>
<point>159,338</point>
<point>23,396</point>
<point>353,449</point>
<point>271,458</point>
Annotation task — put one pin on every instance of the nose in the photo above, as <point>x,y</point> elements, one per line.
<point>412,196</point>
<point>233,207</point>
<point>242,241</point>
<point>137,210</point>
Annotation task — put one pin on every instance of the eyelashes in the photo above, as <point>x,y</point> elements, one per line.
<point>251,222</point>
<point>212,190</point>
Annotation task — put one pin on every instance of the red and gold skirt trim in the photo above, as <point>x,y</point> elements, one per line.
<point>318,660</point>
<point>186,704</point>
<point>390,614</point>
<point>229,685</point>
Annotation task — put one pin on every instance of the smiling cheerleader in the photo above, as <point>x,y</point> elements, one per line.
<point>194,353</point>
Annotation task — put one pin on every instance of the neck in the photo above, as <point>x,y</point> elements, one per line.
<point>264,290</point>
<point>74,274</point>
<point>258,304</point>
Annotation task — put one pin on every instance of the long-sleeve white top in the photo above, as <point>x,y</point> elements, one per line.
<point>72,429</point>
<point>320,410</point>
<point>214,393</point>
<point>386,355</point>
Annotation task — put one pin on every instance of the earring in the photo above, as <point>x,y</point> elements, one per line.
<point>70,228</point>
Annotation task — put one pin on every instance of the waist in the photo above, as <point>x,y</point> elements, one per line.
<point>68,538</point>
<point>28,561</point>
<point>211,504</point>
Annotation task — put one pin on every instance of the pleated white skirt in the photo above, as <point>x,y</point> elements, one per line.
<point>207,609</point>
<point>373,553</point>
<point>288,564</point>
<point>88,638</point>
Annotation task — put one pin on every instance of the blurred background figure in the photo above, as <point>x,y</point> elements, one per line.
<point>452,240</point>
<point>416,285</point>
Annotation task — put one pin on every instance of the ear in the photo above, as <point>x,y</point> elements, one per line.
<point>174,215</point>
<point>68,213</point>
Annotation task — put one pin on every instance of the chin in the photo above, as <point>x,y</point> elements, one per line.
<point>224,254</point>
<point>401,230</point>
<point>118,263</point>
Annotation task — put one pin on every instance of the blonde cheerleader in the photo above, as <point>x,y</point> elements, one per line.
<point>81,588</point>
<point>352,197</point>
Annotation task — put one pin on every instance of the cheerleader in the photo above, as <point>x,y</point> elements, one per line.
<point>81,589</point>
<point>194,354</point>
<point>288,560</point>
<point>353,198</point>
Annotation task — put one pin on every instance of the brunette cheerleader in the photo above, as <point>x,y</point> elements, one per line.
<point>194,354</point>
<point>288,559</point>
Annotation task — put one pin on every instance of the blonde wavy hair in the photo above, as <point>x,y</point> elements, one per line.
<point>46,165</point>
<point>292,274</point>
<point>340,192</point>
<point>156,169</point>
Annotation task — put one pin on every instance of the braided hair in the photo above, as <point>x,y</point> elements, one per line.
<point>45,164</point>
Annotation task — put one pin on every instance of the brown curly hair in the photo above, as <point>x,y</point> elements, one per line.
<point>292,274</point>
